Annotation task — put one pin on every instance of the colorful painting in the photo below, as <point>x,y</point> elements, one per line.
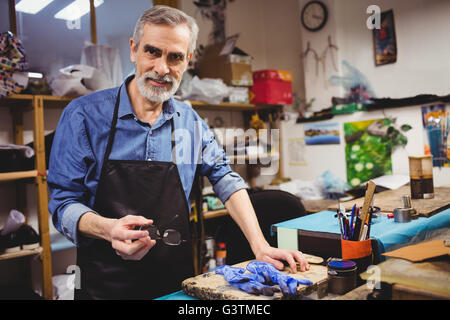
<point>366,155</point>
<point>385,43</point>
<point>436,139</point>
<point>322,133</point>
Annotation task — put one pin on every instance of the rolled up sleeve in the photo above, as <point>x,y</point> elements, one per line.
<point>215,166</point>
<point>69,157</point>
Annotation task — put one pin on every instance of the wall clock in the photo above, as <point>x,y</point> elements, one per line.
<point>314,15</point>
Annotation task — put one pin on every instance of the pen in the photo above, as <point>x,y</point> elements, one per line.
<point>340,223</point>
<point>358,225</point>
<point>347,236</point>
<point>345,228</point>
<point>364,233</point>
<point>370,222</point>
<point>351,221</point>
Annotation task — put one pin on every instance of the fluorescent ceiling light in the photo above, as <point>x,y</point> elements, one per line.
<point>76,10</point>
<point>32,6</point>
<point>35,75</point>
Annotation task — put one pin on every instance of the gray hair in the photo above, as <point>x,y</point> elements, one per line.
<point>166,16</point>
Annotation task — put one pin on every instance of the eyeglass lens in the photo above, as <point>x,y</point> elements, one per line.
<point>170,237</point>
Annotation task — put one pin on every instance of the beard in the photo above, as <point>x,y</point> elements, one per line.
<point>154,93</point>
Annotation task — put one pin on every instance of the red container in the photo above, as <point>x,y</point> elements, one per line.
<point>272,87</point>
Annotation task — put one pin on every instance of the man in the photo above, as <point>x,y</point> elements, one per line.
<point>112,172</point>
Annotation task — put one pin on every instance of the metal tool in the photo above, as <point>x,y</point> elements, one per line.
<point>407,213</point>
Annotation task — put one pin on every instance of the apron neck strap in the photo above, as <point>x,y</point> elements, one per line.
<point>112,130</point>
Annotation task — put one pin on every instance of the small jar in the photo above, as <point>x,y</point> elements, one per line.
<point>342,276</point>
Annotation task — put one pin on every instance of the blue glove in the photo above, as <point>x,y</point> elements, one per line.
<point>248,282</point>
<point>271,275</point>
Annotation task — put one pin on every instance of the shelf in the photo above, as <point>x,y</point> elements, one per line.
<point>228,106</point>
<point>61,102</point>
<point>215,214</point>
<point>12,176</point>
<point>21,253</point>
<point>49,101</point>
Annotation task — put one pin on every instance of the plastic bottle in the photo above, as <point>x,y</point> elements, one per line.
<point>221,254</point>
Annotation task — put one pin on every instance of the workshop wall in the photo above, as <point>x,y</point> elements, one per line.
<point>422,68</point>
<point>270,33</point>
<point>421,28</point>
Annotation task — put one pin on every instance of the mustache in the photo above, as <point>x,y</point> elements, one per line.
<point>151,75</point>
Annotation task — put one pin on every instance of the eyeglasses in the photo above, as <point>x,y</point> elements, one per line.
<point>171,237</point>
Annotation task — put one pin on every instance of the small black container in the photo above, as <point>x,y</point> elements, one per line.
<point>342,276</point>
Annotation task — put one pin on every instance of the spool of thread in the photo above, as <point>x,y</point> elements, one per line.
<point>342,276</point>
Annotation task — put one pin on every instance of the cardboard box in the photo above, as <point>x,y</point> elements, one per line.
<point>226,62</point>
<point>239,95</point>
<point>272,87</point>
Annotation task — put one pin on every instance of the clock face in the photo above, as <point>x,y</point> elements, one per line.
<point>314,15</point>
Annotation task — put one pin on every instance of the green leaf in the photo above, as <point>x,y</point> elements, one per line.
<point>405,127</point>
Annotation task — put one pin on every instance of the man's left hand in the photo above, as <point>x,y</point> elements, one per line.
<point>274,255</point>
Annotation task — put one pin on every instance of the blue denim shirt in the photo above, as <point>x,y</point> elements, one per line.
<point>80,142</point>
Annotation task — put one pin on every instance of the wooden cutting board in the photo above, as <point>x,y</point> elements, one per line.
<point>389,200</point>
<point>212,286</point>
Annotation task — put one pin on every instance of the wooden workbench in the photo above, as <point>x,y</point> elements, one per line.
<point>389,200</point>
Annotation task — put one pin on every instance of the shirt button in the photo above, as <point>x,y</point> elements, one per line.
<point>150,132</point>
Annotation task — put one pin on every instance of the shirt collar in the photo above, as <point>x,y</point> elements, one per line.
<point>126,109</point>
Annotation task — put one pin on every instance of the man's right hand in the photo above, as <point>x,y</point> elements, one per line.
<point>122,234</point>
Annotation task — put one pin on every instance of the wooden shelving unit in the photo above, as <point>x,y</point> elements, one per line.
<point>18,105</point>
<point>19,175</point>
<point>21,253</point>
<point>215,214</point>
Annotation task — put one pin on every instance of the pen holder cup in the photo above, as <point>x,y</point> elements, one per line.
<point>360,252</point>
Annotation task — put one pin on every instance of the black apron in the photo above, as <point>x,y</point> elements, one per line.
<point>151,189</point>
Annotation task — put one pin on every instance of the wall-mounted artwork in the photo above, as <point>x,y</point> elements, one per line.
<point>436,123</point>
<point>384,40</point>
<point>322,133</point>
<point>366,155</point>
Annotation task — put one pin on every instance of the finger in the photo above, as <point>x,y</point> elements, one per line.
<point>291,261</point>
<point>304,265</point>
<point>125,234</point>
<point>277,264</point>
<point>132,220</point>
<point>142,252</point>
<point>128,248</point>
<point>138,255</point>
